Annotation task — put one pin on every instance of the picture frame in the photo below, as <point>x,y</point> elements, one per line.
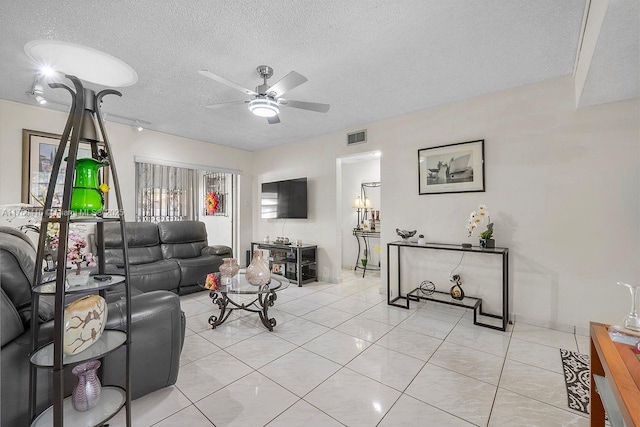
<point>452,168</point>
<point>38,153</point>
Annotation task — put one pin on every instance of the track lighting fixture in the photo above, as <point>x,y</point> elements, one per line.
<point>37,91</point>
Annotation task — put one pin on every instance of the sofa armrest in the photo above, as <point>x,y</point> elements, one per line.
<point>157,335</point>
<point>217,250</point>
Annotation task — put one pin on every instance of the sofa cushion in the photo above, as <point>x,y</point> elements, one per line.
<point>158,275</point>
<point>11,323</point>
<point>182,239</point>
<point>142,239</point>
<point>217,250</point>
<point>194,269</point>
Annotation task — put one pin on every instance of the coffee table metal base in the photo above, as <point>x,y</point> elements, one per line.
<point>259,305</point>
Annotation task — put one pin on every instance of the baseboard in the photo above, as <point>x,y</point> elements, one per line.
<point>563,327</point>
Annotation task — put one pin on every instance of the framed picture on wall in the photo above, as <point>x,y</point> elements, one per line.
<point>453,168</point>
<point>38,153</point>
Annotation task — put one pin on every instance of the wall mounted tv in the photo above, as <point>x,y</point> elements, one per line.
<point>284,199</point>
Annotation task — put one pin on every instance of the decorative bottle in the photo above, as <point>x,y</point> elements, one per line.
<point>88,389</point>
<point>258,273</point>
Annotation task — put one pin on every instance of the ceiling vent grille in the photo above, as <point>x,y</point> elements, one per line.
<point>358,137</point>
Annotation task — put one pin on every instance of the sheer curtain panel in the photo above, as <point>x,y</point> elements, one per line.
<point>165,193</point>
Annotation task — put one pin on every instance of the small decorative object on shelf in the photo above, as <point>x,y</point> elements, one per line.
<point>88,389</point>
<point>421,239</point>
<point>632,320</point>
<point>405,234</point>
<point>427,287</point>
<point>456,290</point>
<point>77,252</point>
<point>84,322</point>
<point>475,218</point>
<point>364,262</point>
<point>258,273</point>
<point>86,196</point>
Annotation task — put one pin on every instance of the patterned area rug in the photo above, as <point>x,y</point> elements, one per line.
<point>577,377</point>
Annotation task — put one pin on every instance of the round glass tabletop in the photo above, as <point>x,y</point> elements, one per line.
<point>240,285</point>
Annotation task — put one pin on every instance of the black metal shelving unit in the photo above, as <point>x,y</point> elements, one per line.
<point>85,124</point>
<point>301,262</point>
<point>444,297</point>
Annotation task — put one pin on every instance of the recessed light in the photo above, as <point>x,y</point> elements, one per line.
<point>86,63</point>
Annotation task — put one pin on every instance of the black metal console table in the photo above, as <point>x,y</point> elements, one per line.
<point>365,236</point>
<point>444,297</point>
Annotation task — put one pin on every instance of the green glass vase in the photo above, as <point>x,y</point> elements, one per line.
<point>86,198</point>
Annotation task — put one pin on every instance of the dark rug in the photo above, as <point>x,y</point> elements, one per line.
<point>577,378</point>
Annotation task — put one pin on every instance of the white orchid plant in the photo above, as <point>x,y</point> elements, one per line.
<point>476,218</point>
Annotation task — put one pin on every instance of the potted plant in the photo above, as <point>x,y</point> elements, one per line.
<point>477,217</point>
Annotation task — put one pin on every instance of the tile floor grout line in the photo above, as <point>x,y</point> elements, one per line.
<point>504,362</point>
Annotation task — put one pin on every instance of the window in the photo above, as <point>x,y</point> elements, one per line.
<point>165,193</point>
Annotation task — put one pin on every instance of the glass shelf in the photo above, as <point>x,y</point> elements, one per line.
<point>112,399</point>
<point>89,284</point>
<point>108,341</point>
<point>87,218</point>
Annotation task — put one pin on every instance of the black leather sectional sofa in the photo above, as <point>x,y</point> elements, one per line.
<point>170,256</point>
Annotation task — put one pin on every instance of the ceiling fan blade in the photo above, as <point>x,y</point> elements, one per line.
<point>311,106</point>
<point>226,82</point>
<point>287,83</point>
<point>225,104</point>
<point>273,120</point>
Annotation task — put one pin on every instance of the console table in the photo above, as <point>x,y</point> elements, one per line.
<point>365,236</point>
<point>615,374</point>
<point>300,262</point>
<point>444,297</point>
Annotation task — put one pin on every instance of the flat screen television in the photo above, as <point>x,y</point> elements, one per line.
<point>284,199</point>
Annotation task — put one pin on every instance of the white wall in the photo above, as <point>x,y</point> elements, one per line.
<point>353,175</point>
<point>563,186</point>
<point>126,143</point>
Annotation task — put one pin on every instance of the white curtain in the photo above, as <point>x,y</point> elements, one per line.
<point>165,193</point>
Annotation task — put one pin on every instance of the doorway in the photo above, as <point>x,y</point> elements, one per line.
<point>354,171</point>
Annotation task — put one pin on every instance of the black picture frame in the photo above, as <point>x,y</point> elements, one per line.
<point>452,168</point>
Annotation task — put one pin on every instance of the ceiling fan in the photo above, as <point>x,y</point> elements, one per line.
<point>267,100</point>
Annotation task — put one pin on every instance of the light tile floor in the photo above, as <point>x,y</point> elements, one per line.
<point>340,355</point>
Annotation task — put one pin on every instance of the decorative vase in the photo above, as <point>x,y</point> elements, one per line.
<point>632,320</point>
<point>487,243</point>
<point>258,273</point>
<point>456,291</point>
<point>86,198</point>
<point>87,391</point>
<point>84,322</point>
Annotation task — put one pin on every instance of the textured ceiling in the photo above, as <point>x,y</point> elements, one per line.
<point>369,59</point>
<point>615,67</point>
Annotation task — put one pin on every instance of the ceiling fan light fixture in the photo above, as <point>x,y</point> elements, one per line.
<point>264,107</point>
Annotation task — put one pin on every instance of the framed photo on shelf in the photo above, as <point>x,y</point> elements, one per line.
<point>453,168</point>
<point>277,269</point>
<point>38,153</point>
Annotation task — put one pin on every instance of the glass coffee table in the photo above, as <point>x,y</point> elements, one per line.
<point>263,297</point>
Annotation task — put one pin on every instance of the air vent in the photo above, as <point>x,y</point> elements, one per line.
<point>357,137</point>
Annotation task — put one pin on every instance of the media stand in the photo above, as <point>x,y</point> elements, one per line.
<point>297,263</point>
